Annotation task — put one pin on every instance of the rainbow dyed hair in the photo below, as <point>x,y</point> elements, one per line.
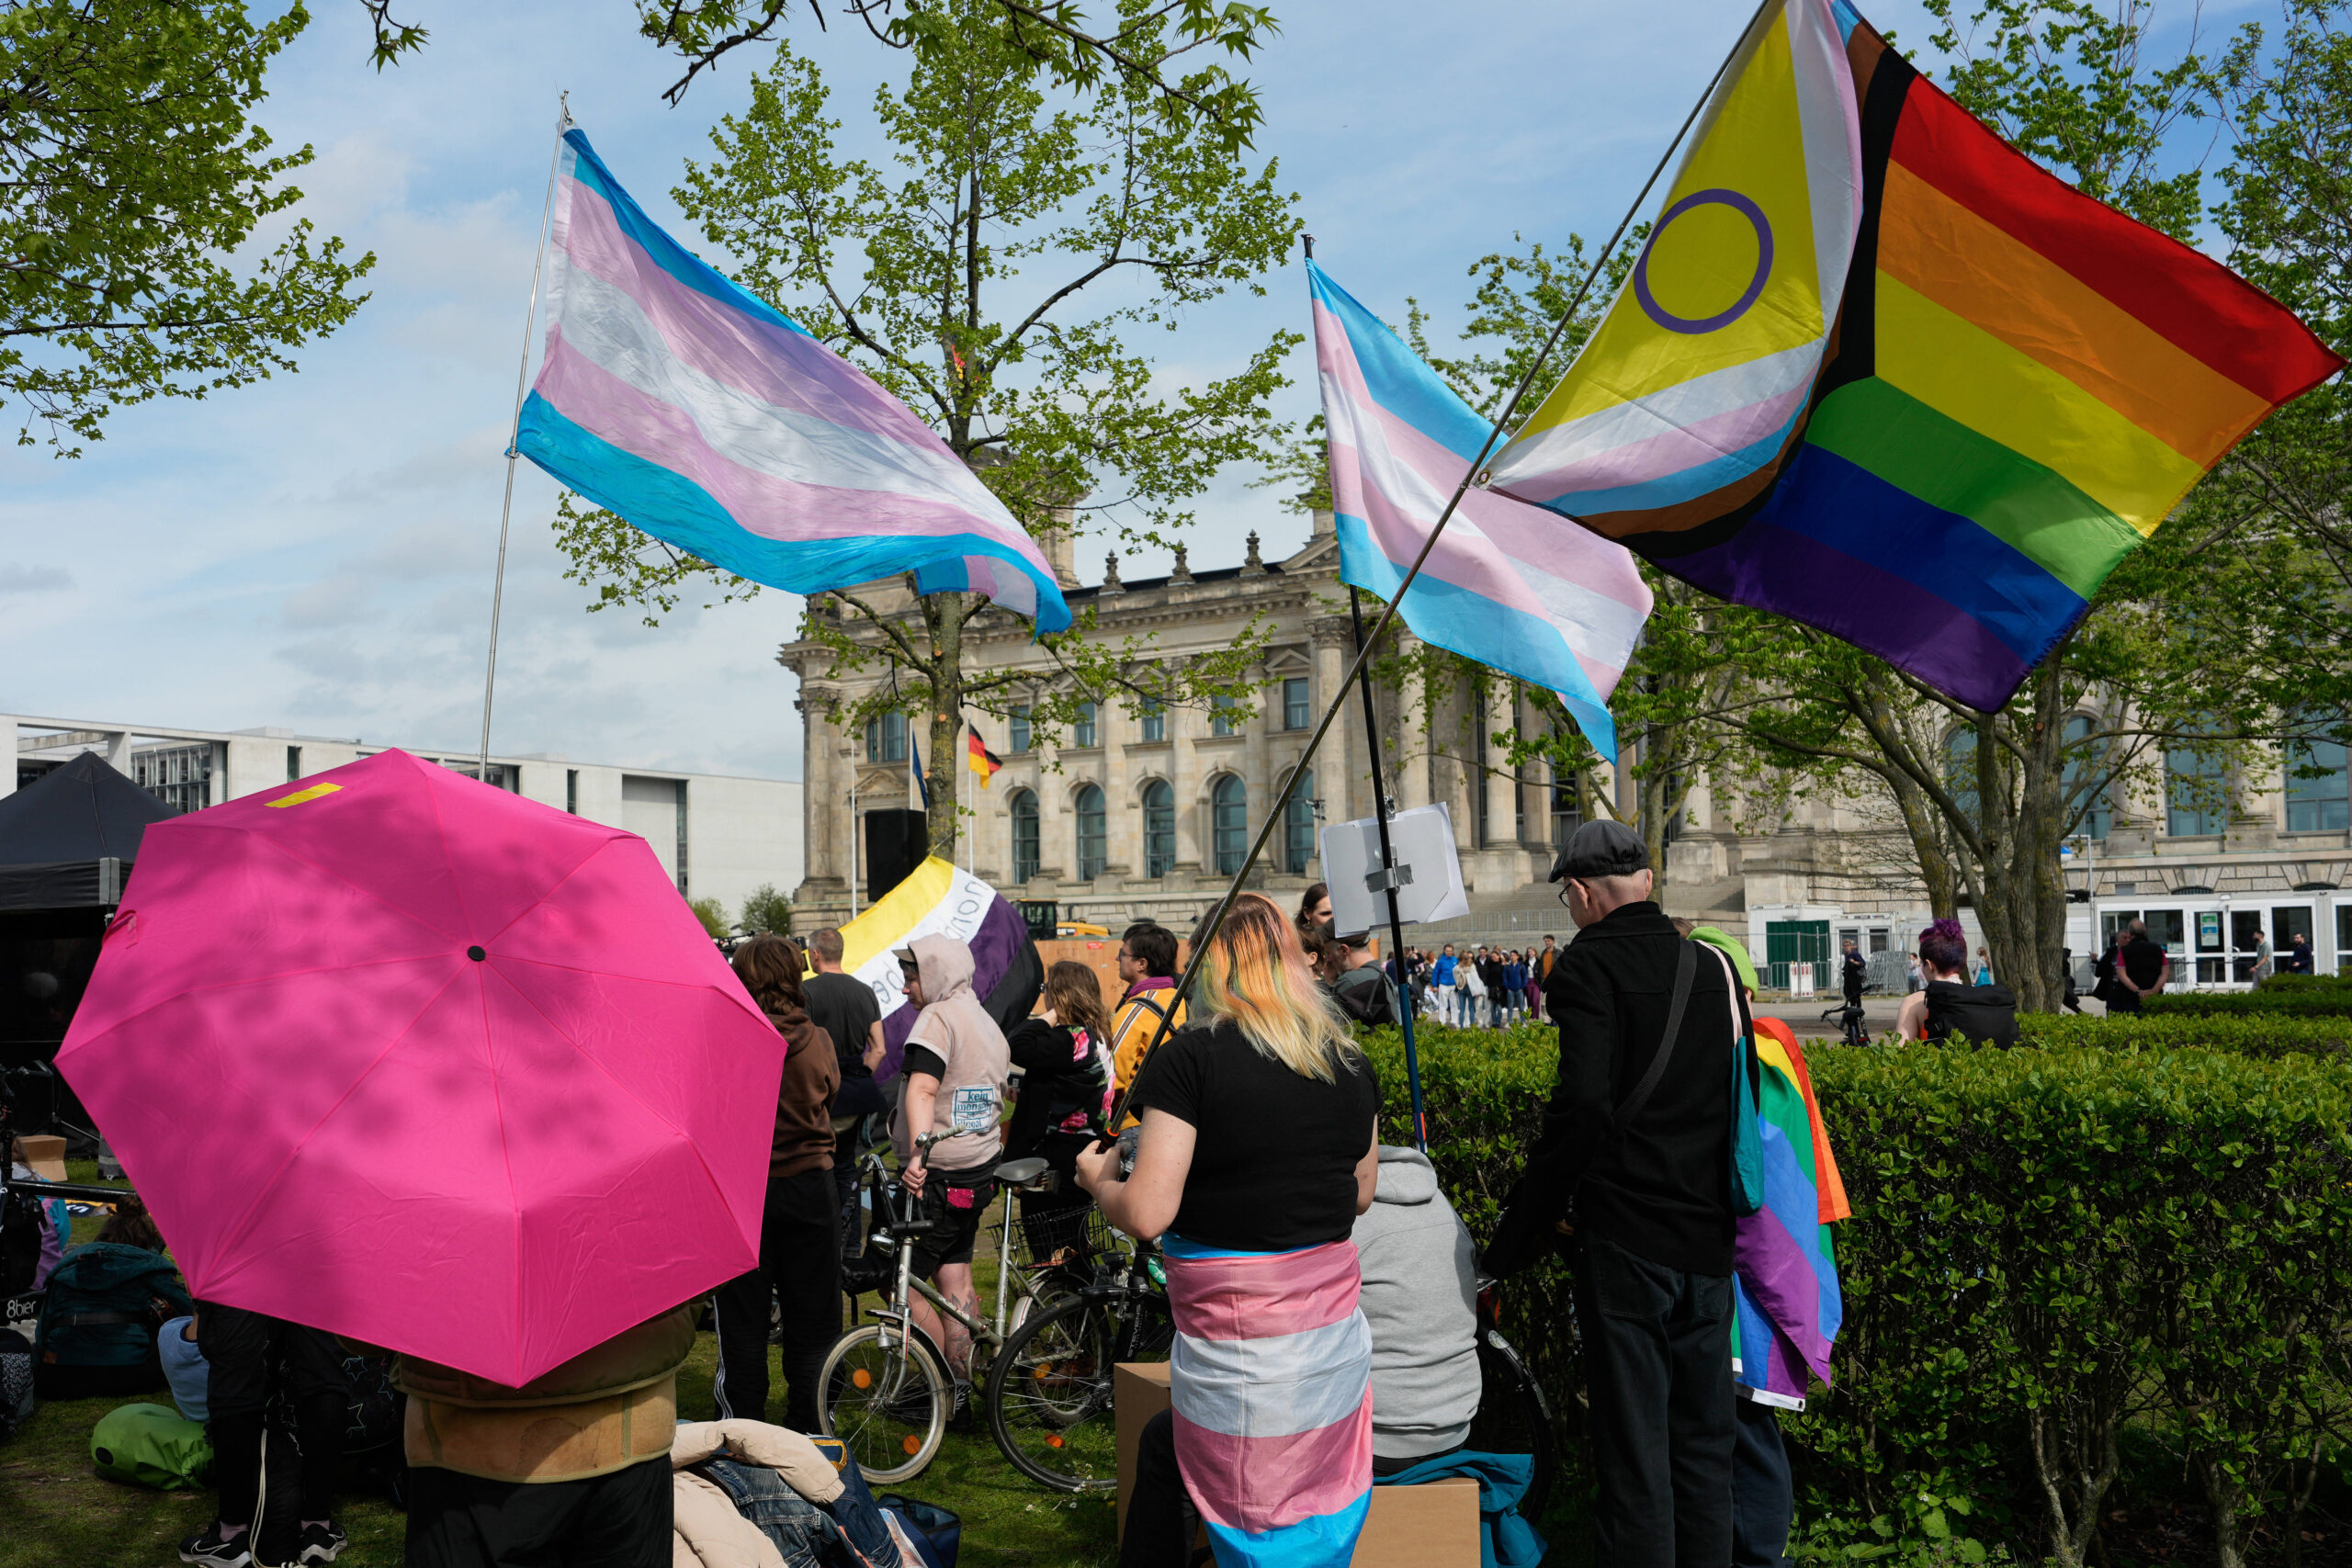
<point>1256,973</point>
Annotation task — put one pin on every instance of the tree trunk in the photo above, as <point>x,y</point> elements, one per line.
<point>2021,796</point>
<point>943,615</point>
<point>2225,1497</point>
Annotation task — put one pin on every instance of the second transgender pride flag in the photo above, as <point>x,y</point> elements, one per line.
<point>1508,584</point>
<point>708,419</point>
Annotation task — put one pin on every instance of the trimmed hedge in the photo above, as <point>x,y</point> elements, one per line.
<point>2261,1035</point>
<point>2265,1001</point>
<point>2047,1246</point>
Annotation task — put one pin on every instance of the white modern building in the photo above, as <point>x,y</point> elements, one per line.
<point>719,837</point>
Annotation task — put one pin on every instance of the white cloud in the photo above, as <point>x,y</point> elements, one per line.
<point>17,578</point>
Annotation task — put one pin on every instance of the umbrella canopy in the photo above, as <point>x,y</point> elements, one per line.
<point>403,1056</point>
<point>58,832</point>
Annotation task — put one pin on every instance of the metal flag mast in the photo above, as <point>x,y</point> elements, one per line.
<point>514,427</point>
<point>1355,675</point>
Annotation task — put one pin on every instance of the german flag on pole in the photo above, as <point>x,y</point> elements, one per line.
<point>978,758</point>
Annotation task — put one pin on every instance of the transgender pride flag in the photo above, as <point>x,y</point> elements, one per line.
<point>1509,585</point>
<point>713,422</point>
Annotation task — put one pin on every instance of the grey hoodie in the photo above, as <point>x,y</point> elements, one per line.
<point>1419,1296</point>
<point>955,1024</point>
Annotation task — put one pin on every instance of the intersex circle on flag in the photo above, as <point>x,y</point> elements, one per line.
<point>1738,308</point>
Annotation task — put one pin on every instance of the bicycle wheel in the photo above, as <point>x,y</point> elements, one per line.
<point>1049,1390</point>
<point>1513,1416</point>
<point>887,1398</point>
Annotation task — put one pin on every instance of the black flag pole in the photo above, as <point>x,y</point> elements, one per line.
<point>1386,879</point>
<point>1207,930</point>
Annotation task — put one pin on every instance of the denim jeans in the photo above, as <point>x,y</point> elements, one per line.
<point>803,1533</point>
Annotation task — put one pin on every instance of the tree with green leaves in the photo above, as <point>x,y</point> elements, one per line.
<point>765,909</point>
<point>1001,277</point>
<point>130,173</point>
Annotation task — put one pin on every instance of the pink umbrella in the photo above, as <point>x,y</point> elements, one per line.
<point>403,1056</point>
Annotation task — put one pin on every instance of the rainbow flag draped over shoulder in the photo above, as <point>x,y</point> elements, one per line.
<point>2017,386</point>
<point>1507,584</point>
<point>710,420</point>
<point>1787,1308</point>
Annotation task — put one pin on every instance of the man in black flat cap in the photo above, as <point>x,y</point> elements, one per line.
<point>1632,1177</point>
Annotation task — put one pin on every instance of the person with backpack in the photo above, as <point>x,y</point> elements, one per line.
<point>1632,1176</point>
<point>104,1303</point>
<point>1147,966</point>
<point>1950,1006</point>
<point>1363,990</point>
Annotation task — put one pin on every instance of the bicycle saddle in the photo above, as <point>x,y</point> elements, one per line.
<point>1020,1172</point>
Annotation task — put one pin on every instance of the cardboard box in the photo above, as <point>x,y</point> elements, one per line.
<point>1433,1526</point>
<point>43,1155</point>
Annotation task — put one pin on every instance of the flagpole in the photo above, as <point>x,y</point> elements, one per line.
<point>1388,612</point>
<point>1386,876</point>
<point>515,428</point>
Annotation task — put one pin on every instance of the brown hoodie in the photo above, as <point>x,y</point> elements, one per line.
<point>804,1096</point>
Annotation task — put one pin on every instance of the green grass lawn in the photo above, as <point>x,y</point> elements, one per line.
<point>55,1511</point>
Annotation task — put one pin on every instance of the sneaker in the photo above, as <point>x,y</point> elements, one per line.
<point>212,1549</point>
<point>321,1542</point>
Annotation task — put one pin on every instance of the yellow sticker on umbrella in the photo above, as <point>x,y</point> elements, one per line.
<point>300,795</point>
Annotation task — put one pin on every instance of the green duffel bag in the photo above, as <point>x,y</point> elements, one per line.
<point>152,1445</point>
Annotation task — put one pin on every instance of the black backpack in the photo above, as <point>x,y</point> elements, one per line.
<point>1363,995</point>
<point>1986,1013</point>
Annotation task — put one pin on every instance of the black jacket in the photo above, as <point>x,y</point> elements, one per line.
<point>1663,1190</point>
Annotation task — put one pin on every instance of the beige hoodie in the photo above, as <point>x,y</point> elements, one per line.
<point>956,1026</point>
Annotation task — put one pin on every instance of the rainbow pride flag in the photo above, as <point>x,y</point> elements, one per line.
<point>1786,1305</point>
<point>2017,386</point>
<point>710,420</point>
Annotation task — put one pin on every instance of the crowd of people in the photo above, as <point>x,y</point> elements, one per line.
<point>1322,1286</point>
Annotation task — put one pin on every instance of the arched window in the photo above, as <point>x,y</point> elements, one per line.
<point>1298,825</point>
<point>2197,791</point>
<point>1229,823</point>
<point>2085,762</point>
<point>1024,836</point>
<point>1091,832</point>
<point>1159,828</point>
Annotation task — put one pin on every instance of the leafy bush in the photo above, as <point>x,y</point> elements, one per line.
<point>2046,1246</point>
<point>2269,1001</point>
<point>2260,1035</point>
<point>712,914</point>
<point>765,909</point>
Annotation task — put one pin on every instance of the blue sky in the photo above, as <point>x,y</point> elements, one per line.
<point>317,551</point>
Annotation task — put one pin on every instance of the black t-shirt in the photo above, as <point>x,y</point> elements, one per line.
<point>2142,961</point>
<point>843,1007</point>
<point>1276,1154</point>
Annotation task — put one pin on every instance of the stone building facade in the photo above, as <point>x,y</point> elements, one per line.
<point>1134,814</point>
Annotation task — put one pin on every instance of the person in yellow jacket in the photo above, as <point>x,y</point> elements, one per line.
<point>1147,965</point>
<point>573,1467</point>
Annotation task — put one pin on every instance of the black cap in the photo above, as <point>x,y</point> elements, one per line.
<point>1602,848</point>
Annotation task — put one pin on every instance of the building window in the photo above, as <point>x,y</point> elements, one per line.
<point>885,738</point>
<point>1297,713</point>
<point>1221,715</point>
<point>572,790</point>
<point>1298,824</point>
<point>1091,833</point>
<point>1083,733</point>
<point>179,776</point>
<point>1159,828</point>
<point>1024,836</point>
<point>1567,815</point>
<point>2085,762</point>
<point>1021,741</point>
<point>1960,772</point>
<point>1154,721</point>
<point>293,764</point>
<point>2196,792</point>
<point>2318,800</point>
<point>1229,823</point>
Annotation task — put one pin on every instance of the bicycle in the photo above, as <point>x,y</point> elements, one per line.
<point>885,1387</point>
<point>1850,1020</point>
<point>1051,1392</point>
<point>1514,1414</point>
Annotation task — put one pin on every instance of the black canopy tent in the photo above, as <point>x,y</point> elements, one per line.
<point>67,838</point>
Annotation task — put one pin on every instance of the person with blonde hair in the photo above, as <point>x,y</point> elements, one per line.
<point>1258,1150</point>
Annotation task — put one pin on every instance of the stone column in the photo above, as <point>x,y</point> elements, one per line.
<point>1342,772</point>
<point>1502,787</point>
<point>1412,784</point>
<point>820,808</point>
<point>1122,817</point>
<point>1257,771</point>
<point>1184,722</point>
